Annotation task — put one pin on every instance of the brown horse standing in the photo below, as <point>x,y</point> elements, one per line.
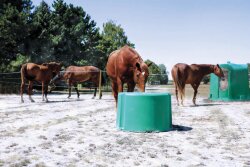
<point>126,66</point>
<point>40,73</point>
<point>75,74</point>
<point>192,74</point>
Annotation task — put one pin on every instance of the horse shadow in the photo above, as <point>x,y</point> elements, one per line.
<point>207,105</point>
<point>181,128</point>
<point>64,101</point>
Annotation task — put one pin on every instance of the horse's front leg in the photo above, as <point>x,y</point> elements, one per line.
<point>43,90</point>
<point>94,93</point>
<point>115,90</point>
<point>120,85</point>
<point>69,87</point>
<point>21,91</point>
<point>75,85</point>
<point>46,93</point>
<point>195,87</point>
<point>30,90</point>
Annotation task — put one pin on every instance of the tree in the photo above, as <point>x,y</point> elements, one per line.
<point>164,74</point>
<point>154,72</point>
<point>75,36</point>
<point>114,36</point>
<point>40,43</point>
<point>14,29</point>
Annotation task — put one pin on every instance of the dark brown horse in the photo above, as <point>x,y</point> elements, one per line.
<point>126,66</point>
<point>75,74</point>
<point>40,73</point>
<point>192,74</point>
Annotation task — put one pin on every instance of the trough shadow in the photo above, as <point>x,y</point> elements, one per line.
<point>181,128</point>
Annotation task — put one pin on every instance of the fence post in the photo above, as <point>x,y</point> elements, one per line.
<point>100,84</point>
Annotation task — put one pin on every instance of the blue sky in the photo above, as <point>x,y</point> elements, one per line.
<point>173,31</point>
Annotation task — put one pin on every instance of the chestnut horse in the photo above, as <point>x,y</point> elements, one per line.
<point>76,74</point>
<point>40,73</point>
<point>126,66</point>
<point>192,74</point>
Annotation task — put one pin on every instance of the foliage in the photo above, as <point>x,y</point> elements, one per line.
<point>62,33</point>
<point>15,65</point>
<point>158,74</point>
<point>164,74</point>
<point>114,36</point>
<point>14,29</point>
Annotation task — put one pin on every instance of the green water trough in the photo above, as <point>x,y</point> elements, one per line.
<point>144,112</point>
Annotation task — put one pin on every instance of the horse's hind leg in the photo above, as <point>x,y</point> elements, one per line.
<point>176,94</point>
<point>75,86</point>
<point>182,94</point>
<point>94,93</point>
<point>30,90</point>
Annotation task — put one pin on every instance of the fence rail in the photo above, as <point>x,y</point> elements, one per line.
<point>10,83</point>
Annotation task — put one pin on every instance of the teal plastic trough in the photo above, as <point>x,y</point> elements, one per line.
<point>144,112</point>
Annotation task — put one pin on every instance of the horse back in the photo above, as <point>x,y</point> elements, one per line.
<point>81,73</point>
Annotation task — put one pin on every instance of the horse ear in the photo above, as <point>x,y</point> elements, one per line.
<point>149,64</point>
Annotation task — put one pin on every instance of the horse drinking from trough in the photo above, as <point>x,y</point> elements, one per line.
<point>76,74</point>
<point>192,74</point>
<point>126,66</point>
<point>40,73</point>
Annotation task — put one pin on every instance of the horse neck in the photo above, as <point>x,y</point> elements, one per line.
<point>206,69</point>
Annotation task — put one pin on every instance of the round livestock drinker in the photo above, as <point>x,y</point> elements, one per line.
<point>144,112</point>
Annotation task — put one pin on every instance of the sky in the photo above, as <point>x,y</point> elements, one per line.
<point>178,31</point>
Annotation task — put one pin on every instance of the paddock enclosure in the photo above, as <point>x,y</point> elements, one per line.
<point>82,132</point>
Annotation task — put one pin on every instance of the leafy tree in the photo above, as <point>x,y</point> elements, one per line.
<point>154,72</point>
<point>164,74</point>
<point>40,44</point>
<point>14,29</point>
<point>74,35</point>
<point>114,37</point>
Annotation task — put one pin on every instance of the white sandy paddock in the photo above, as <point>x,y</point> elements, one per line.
<point>71,132</point>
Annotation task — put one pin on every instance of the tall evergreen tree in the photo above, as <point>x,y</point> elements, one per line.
<point>14,29</point>
<point>74,34</point>
<point>40,45</point>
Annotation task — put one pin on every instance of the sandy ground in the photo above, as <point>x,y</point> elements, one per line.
<point>71,132</point>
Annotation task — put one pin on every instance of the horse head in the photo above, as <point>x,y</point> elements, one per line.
<point>54,67</point>
<point>218,71</point>
<point>140,75</point>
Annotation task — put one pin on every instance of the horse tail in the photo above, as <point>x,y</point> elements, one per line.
<point>180,85</point>
<point>23,72</point>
